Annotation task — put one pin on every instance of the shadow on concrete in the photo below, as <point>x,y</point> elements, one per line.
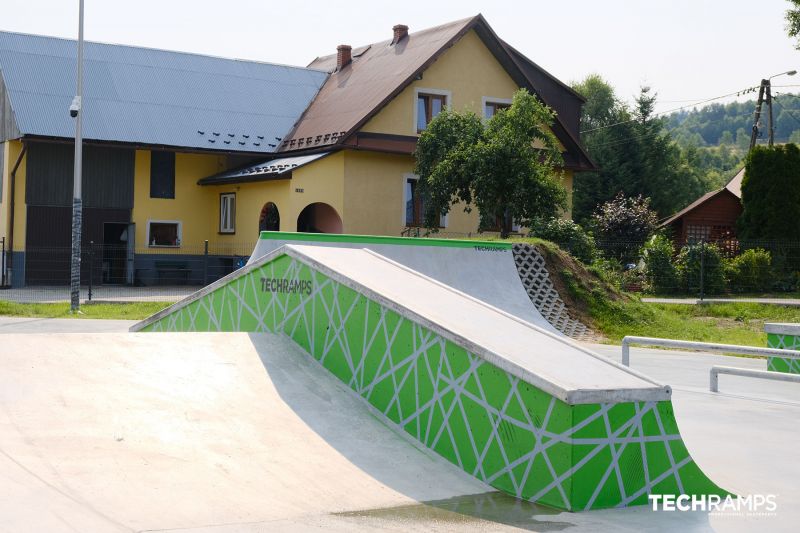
<point>445,493</point>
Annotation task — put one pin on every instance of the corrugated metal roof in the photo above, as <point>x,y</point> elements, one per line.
<point>149,96</point>
<point>262,171</point>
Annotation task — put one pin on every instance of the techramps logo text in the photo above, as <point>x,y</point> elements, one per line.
<point>286,286</point>
<point>715,505</point>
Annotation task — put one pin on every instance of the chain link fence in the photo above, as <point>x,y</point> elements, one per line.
<point>118,272</point>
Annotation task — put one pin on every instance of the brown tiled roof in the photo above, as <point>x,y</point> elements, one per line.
<point>380,71</point>
<point>376,74</point>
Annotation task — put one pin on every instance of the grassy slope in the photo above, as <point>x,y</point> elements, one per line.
<point>128,311</point>
<point>615,314</point>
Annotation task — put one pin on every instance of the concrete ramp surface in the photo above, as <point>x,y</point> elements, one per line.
<point>203,432</point>
<point>519,408</point>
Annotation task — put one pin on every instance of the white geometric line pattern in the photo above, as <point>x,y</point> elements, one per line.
<point>494,426</point>
<point>783,342</point>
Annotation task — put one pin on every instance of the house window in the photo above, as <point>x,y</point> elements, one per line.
<point>415,206</point>
<point>428,106</point>
<point>227,212</point>
<point>490,108</point>
<point>162,174</point>
<point>164,233</point>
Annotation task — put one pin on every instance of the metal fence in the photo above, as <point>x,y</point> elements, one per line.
<point>118,272</point>
<point>702,269</point>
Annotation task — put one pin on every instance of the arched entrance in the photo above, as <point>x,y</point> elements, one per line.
<point>319,218</point>
<point>270,218</point>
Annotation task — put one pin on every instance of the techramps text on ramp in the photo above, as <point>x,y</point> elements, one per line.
<point>511,403</point>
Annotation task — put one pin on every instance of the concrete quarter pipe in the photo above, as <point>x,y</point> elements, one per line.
<point>509,402</point>
<point>513,278</point>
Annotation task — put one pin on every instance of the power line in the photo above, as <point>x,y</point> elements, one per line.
<point>735,93</point>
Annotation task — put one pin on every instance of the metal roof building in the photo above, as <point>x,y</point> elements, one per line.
<point>148,96</point>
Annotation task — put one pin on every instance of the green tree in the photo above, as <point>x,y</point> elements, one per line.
<point>793,21</point>
<point>505,167</point>
<point>771,194</point>
<point>635,152</point>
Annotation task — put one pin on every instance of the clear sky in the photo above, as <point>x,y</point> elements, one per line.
<point>687,50</point>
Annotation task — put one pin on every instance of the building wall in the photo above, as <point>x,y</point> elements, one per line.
<point>374,201</point>
<point>3,190</point>
<point>193,206</point>
<point>320,181</point>
<point>468,70</point>
<point>20,209</point>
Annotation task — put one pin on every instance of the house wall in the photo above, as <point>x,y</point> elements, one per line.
<point>720,210</point>
<point>193,206</point>
<point>470,73</point>
<point>468,70</point>
<point>3,190</point>
<point>320,181</point>
<point>374,202</point>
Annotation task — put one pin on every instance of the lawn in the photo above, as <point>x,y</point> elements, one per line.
<point>735,323</point>
<point>125,311</point>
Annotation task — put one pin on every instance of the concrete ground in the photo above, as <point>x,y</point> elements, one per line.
<point>10,324</point>
<point>222,433</point>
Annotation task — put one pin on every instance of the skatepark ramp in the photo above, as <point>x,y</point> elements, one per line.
<point>513,278</point>
<point>512,403</point>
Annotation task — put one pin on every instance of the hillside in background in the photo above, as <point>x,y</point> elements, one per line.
<point>731,123</point>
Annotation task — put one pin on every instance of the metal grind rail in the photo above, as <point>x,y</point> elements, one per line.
<point>716,370</point>
<point>703,346</point>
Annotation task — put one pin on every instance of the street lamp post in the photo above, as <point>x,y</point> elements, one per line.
<point>76,111</point>
<point>766,90</point>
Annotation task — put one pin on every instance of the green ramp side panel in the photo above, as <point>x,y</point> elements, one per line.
<point>783,337</point>
<point>498,428</point>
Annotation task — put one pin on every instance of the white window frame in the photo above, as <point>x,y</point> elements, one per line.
<point>492,100</point>
<point>448,99</point>
<point>180,233</point>
<point>232,228</point>
<point>411,176</point>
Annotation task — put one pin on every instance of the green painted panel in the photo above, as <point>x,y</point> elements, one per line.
<point>504,431</point>
<point>376,239</point>
<point>783,342</point>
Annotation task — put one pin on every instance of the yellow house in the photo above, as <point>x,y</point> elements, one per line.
<point>180,149</point>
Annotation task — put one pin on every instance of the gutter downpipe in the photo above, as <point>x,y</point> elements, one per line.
<point>12,203</point>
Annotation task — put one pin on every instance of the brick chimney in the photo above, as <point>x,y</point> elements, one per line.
<point>400,32</point>
<point>343,56</point>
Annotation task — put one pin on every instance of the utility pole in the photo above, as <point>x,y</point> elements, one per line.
<point>76,111</point>
<point>769,117</point>
<point>766,89</point>
<point>754,133</point>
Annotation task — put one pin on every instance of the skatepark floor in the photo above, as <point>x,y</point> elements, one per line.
<point>236,432</point>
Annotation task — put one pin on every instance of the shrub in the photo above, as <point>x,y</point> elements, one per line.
<point>751,271</point>
<point>623,224</point>
<point>566,234</point>
<point>688,265</point>
<point>660,274</point>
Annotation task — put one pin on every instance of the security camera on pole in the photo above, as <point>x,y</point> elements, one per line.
<point>76,111</point>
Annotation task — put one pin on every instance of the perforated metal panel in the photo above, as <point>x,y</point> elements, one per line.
<point>543,294</point>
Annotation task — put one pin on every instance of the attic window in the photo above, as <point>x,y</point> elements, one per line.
<point>490,108</point>
<point>428,106</point>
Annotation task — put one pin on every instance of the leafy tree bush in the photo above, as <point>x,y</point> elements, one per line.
<point>492,165</point>
<point>751,271</point>
<point>623,224</point>
<point>771,194</point>
<point>568,235</point>
<point>660,273</point>
<point>688,265</point>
